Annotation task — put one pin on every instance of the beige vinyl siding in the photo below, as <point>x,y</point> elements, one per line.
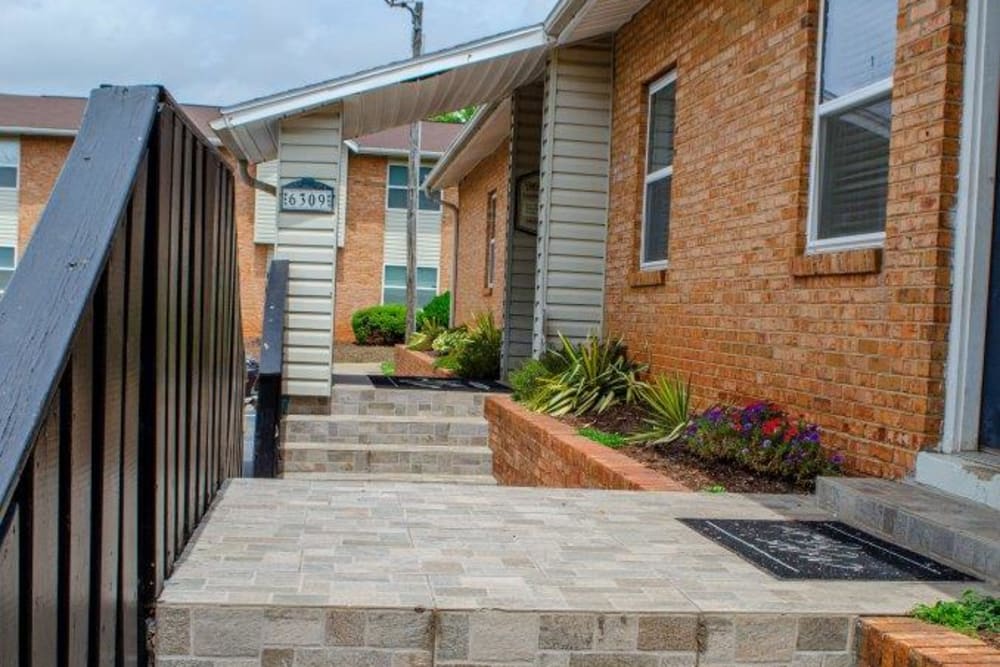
<point>428,238</point>
<point>573,201</point>
<point>10,155</point>
<point>345,162</point>
<point>265,213</point>
<point>309,146</point>
<point>519,310</point>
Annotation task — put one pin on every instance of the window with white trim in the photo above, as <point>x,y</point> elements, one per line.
<point>491,239</point>
<point>398,186</point>
<point>653,246</point>
<point>9,159</point>
<point>8,257</point>
<point>849,179</point>
<point>394,284</point>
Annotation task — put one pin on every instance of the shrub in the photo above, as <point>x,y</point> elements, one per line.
<point>762,438</point>
<point>596,375</point>
<point>525,380</point>
<point>380,325</point>
<point>668,402</point>
<point>445,343</point>
<point>424,339</point>
<point>972,614</point>
<point>477,356</point>
<point>437,310</point>
<point>388,368</point>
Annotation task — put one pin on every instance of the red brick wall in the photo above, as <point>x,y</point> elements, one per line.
<point>531,449</point>
<point>471,294</point>
<point>252,261</point>
<point>855,341</point>
<point>447,240</point>
<point>411,363</point>
<point>42,159</point>
<point>896,641</point>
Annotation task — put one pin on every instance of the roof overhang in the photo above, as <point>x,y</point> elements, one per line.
<point>479,139</point>
<point>389,152</point>
<point>576,20</point>
<point>395,94</point>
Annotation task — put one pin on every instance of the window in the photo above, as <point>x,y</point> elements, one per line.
<point>394,284</point>
<point>849,178</point>
<point>9,159</point>
<point>491,239</point>
<point>659,174</point>
<point>7,257</point>
<point>399,175</point>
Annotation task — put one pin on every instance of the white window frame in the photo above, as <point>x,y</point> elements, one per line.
<point>491,241</point>
<point>659,174</point>
<point>856,98</point>
<point>437,280</point>
<point>15,165</point>
<point>389,186</point>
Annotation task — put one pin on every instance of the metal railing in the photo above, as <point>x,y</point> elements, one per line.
<point>121,377</point>
<point>270,402</point>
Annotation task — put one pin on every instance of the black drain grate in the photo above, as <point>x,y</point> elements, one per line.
<point>435,384</point>
<point>828,550</point>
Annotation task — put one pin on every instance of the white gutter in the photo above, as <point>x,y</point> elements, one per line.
<point>38,131</point>
<point>295,102</point>
<point>388,152</point>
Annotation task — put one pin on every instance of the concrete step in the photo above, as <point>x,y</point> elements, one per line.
<point>956,531</point>
<point>381,458</point>
<point>386,430</point>
<point>475,480</point>
<point>357,400</point>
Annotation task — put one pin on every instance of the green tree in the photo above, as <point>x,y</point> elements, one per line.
<point>459,116</point>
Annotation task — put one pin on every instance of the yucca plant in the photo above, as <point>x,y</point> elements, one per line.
<point>668,401</point>
<point>423,340</point>
<point>597,375</point>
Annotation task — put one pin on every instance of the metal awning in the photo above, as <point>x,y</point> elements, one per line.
<point>393,95</point>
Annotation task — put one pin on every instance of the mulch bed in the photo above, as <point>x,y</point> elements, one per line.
<point>677,463</point>
<point>350,353</point>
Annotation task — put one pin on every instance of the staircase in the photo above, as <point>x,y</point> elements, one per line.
<point>390,435</point>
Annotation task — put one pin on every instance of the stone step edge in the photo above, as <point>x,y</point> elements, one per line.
<point>385,447</point>
<point>394,419</point>
<point>417,478</point>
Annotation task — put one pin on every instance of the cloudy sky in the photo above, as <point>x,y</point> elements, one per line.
<point>225,51</point>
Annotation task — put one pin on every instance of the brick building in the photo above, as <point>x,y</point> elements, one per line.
<point>36,133</point>
<point>789,200</point>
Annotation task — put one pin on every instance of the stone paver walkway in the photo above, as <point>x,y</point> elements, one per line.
<point>299,543</point>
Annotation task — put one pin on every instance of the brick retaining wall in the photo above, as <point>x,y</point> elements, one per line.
<point>531,449</point>
<point>906,642</point>
<point>411,363</point>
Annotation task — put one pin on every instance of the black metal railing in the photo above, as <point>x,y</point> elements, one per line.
<point>269,397</point>
<point>121,376</point>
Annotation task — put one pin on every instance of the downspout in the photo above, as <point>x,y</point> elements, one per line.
<point>454,261</point>
<point>247,179</point>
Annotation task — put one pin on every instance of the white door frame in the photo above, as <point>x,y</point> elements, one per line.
<point>973,225</point>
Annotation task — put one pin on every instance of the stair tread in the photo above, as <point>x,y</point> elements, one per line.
<point>420,419</point>
<point>381,447</point>
<point>436,478</point>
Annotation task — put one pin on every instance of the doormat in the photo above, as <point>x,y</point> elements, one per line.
<point>828,550</point>
<point>436,384</point>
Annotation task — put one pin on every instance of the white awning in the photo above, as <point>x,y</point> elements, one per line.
<point>396,94</point>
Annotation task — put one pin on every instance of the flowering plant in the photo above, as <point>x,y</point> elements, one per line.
<point>763,438</point>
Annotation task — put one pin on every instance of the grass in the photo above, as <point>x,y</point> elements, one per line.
<point>388,368</point>
<point>612,440</point>
<point>715,488</point>
<point>971,614</point>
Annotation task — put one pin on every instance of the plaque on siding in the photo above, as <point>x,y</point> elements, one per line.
<point>828,550</point>
<point>307,195</point>
<point>526,219</point>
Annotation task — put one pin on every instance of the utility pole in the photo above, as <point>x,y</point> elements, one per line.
<point>416,9</point>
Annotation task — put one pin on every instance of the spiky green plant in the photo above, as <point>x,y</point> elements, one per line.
<point>597,374</point>
<point>423,340</point>
<point>668,401</point>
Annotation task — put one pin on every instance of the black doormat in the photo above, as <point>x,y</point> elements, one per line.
<point>828,550</point>
<point>436,384</point>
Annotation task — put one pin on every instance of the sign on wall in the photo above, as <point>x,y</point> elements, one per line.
<point>307,195</point>
<point>526,213</point>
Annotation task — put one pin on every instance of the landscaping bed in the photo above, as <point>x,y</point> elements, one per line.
<point>675,461</point>
<point>414,363</point>
<point>349,353</point>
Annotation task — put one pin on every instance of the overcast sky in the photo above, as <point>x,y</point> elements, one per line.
<point>225,51</point>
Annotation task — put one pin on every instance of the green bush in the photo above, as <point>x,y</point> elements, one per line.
<point>972,614</point>
<point>423,340</point>
<point>596,375</point>
<point>437,310</point>
<point>609,440</point>
<point>668,403</point>
<point>447,342</point>
<point>525,380</point>
<point>476,356</point>
<point>380,325</point>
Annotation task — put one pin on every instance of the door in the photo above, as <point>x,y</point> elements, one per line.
<point>989,424</point>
